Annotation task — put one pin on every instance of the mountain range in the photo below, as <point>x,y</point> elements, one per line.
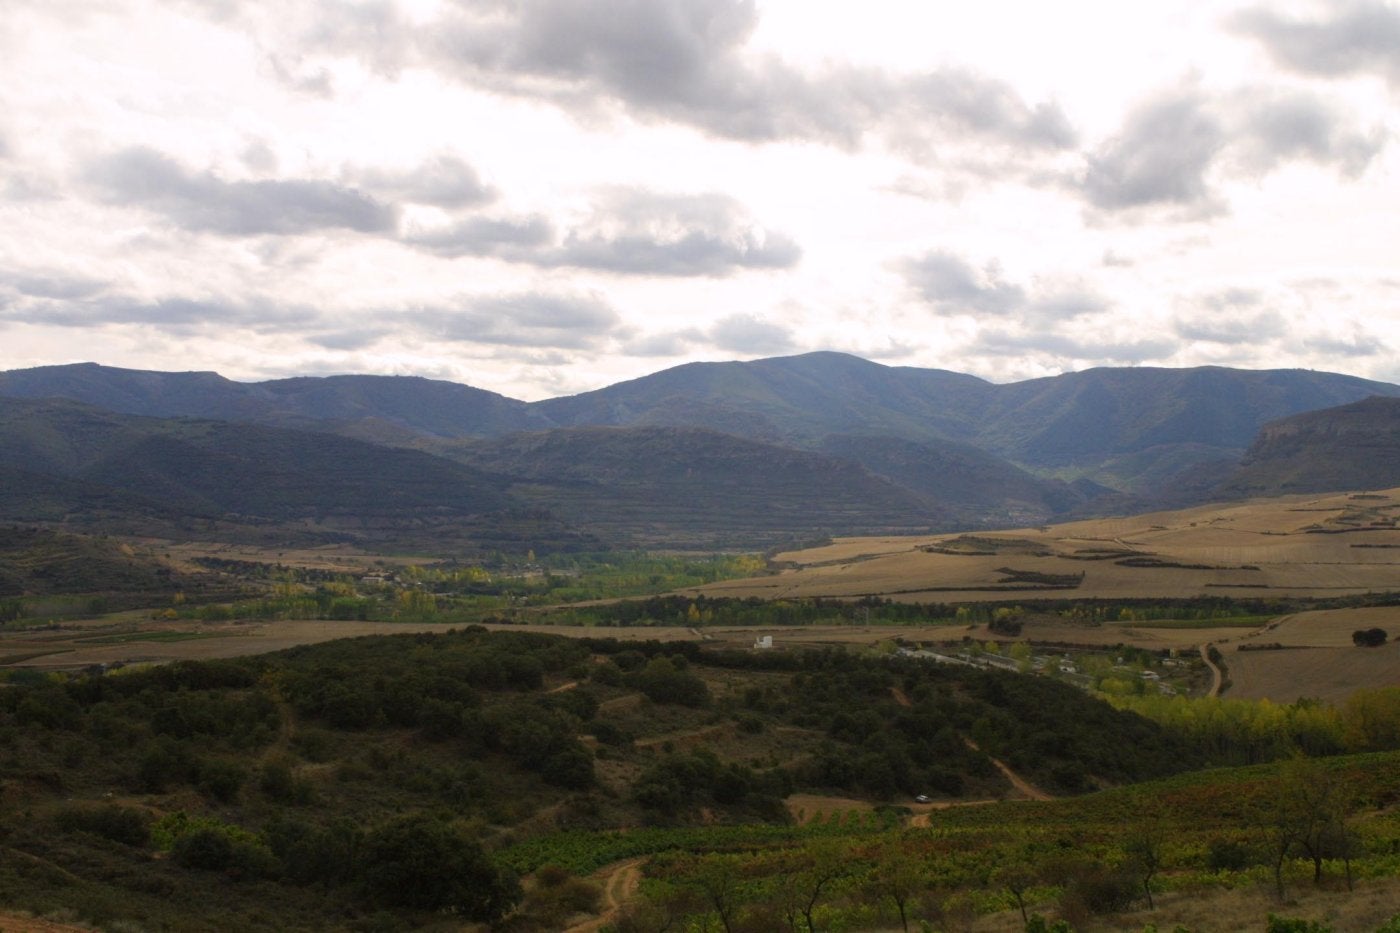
<point>701,455</point>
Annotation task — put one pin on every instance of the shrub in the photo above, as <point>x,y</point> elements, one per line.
<point>423,863</point>
<point>206,849</point>
<point>125,825</point>
<point>1278,924</point>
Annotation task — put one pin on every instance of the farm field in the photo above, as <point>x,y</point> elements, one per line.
<point>1317,658</point>
<point>1300,546</point>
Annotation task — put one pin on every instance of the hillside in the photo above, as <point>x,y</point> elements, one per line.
<point>261,793</point>
<point>1128,429</point>
<point>122,472</point>
<point>697,488</point>
<point>1354,446</point>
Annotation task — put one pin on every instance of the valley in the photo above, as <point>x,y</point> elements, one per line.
<point>806,643</point>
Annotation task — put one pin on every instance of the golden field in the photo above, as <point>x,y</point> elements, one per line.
<point>1308,546</point>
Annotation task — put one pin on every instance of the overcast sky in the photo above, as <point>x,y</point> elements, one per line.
<point>541,197</point>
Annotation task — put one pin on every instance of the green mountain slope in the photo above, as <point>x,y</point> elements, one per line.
<point>694,487</point>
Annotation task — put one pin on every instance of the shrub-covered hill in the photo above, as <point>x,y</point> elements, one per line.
<point>294,784</point>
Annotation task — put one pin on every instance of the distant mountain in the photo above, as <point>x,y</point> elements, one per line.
<point>64,459</point>
<point>698,488</point>
<point>796,399</point>
<point>1354,446</point>
<point>1101,416</point>
<point>977,487</point>
<point>412,405</point>
<point>958,444</point>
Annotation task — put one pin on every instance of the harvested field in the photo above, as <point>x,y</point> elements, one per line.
<point>1317,658</point>
<point>1292,546</point>
<point>1331,674</point>
<point>1331,628</point>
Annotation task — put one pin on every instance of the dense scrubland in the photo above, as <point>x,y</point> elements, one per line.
<point>414,781</point>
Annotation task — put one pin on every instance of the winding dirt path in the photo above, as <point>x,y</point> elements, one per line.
<point>1217,677</point>
<point>619,882</point>
<point>1024,787</point>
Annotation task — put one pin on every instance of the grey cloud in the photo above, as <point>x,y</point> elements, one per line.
<point>313,82</point>
<point>1067,304</point>
<point>1358,344</point>
<point>1277,128</point>
<point>685,61</point>
<point>1232,298</point>
<point>1161,157</point>
<point>1232,330</point>
<point>643,232</point>
<point>142,177</point>
<point>354,339</point>
<point>53,286</point>
<point>522,320</point>
<point>746,333</point>
<point>180,315</point>
<point>5,150</point>
<point>668,344</point>
<point>513,239</point>
<point>1352,37</point>
<point>1171,145</point>
<point>445,181</point>
<point>1106,351</point>
<point>952,286</point>
<point>629,232</point>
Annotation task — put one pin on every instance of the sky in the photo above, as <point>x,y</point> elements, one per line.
<point>542,197</point>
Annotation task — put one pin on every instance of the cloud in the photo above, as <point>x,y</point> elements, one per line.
<point>951,286</point>
<point>1105,351</point>
<point>445,181</point>
<point>1160,157</point>
<point>1275,127</point>
<point>1357,344</point>
<point>174,314</point>
<point>674,343</point>
<point>529,319</point>
<point>202,202</point>
<point>686,61</point>
<point>748,334</point>
<point>641,232</point>
<point>53,286</point>
<point>1173,145</point>
<point>629,232</point>
<point>353,339</point>
<point>513,239</point>
<point>1350,37</point>
<point>1260,328</point>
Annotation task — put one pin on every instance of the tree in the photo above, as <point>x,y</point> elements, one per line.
<point>1308,816</point>
<point>898,876</point>
<point>423,863</point>
<point>1369,637</point>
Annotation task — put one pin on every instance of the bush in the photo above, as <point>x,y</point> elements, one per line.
<point>206,849</point>
<point>1369,637</point>
<point>423,863</point>
<point>1227,855</point>
<point>1096,889</point>
<point>1295,925</point>
<point>125,825</point>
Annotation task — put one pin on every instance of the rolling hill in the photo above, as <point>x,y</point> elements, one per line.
<point>736,454</point>
<point>73,462</point>
<point>697,488</point>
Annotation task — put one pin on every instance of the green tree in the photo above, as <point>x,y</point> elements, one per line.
<point>424,863</point>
